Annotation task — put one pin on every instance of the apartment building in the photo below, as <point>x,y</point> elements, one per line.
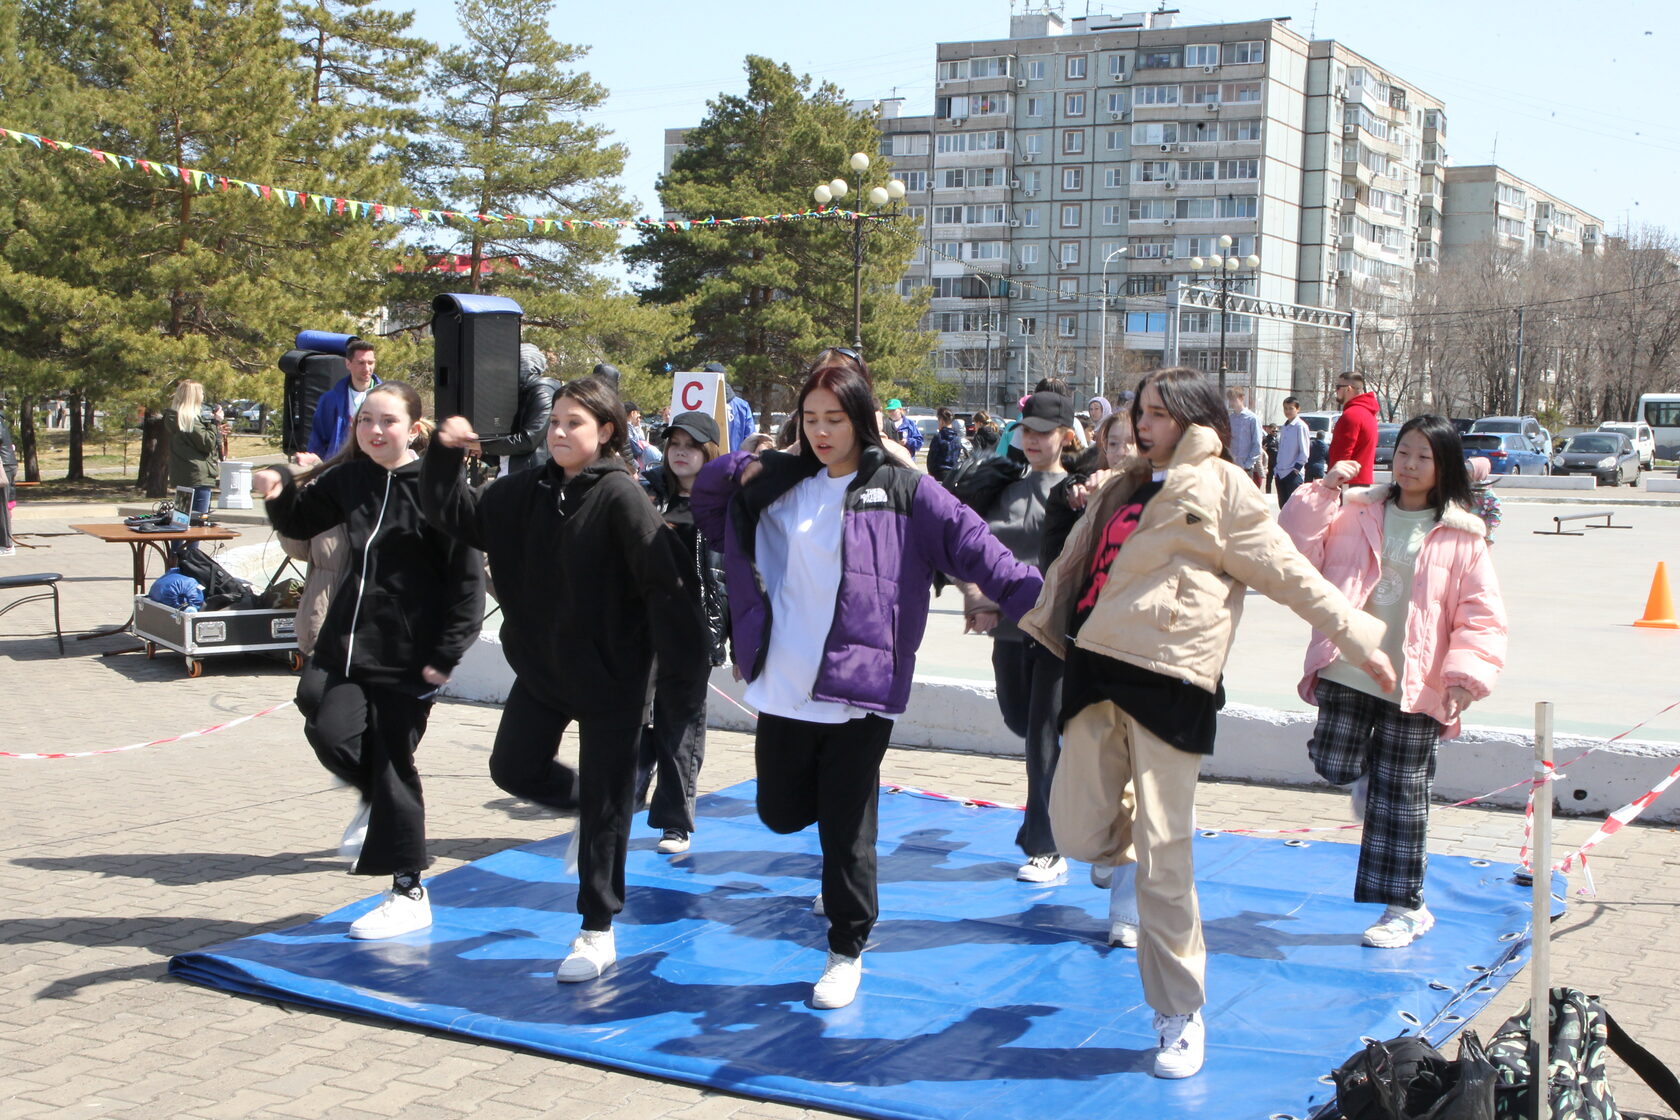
<point>1486,204</point>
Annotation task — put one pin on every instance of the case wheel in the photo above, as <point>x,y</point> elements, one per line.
<point>295,661</point>
<point>151,650</point>
<point>195,667</point>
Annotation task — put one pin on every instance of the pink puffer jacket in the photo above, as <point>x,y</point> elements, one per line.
<point>1455,627</point>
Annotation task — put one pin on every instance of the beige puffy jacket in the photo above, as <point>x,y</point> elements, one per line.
<point>327,554</point>
<point>1174,593</point>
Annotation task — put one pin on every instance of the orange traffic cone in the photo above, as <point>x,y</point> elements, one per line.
<point>1659,608</point>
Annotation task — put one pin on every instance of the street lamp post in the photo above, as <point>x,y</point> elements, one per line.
<point>1225,270</point>
<point>1102,329</point>
<point>987,316</point>
<point>836,189</point>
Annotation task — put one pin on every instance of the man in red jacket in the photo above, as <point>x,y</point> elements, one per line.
<point>1355,436</point>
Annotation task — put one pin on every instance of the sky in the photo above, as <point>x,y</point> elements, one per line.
<point>1570,97</point>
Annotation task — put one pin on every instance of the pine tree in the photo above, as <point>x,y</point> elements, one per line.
<point>766,299</point>
<point>509,139</point>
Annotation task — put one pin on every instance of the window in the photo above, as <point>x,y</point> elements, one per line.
<point>1106,250</point>
<point>1113,216</point>
<point>1147,285</point>
<point>988,214</point>
<point>1195,208</point>
<point>1156,95</point>
<point>967,321</point>
<point>1117,66</point>
<point>960,178</point>
<point>1116,140</point>
<point>959,69</point>
<point>1195,322</point>
<point>971,142</point>
<point>1159,58</point>
<point>1201,54</point>
<point>1073,104</point>
<point>1153,171</point>
<point>1201,93</point>
<point>1034,144</point>
<point>1073,141</point>
<point>1151,248</point>
<point>905,144</point>
<point>1194,169</point>
<point>1434,118</point>
<point>1512,227</point>
<point>1146,322</point>
<point>1072,215</point>
<point>947,215</point>
<point>1247,129</point>
<point>1149,209</point>
<point>983,251</point>
<point>1035,106</point>
<point>1239,206</point>
<point>1029,217</point>
<point>1067,326</point>
<point>1035,70</point>
<point>1239,93</point>
<point>948,250</point>
<point>1236,54</point>
<point>1117,102</point>
<point>1073,178</point>
<point>1029,254</point>
<point>1031,181</point>
<point>913,180</point>
<point>1239,169</point>
<point>1075,66</point>
<point>1114,176</point>
<point>917,214</point>
<point>1512,196</point>
<point>1197,246</point>
<point>1156,132</point>
<point>1069,253</point>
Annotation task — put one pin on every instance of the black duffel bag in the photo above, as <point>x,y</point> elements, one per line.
<point>1405,1078</point>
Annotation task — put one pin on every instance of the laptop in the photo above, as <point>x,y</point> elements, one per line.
<point>183,508</point>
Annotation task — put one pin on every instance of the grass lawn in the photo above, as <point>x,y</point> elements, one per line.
<point>111,459</point>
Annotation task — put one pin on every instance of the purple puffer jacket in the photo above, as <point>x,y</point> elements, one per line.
<point>901,527</point>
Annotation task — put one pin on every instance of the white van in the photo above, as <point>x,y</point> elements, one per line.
<point>1643,438</point>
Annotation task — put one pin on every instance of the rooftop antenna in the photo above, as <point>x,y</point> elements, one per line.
<point>1312,27</point>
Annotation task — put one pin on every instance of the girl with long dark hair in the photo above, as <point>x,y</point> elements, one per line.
<point>830,556</point>
<point>1414,555</point>
<point>1150,587</point>
<point>591,585</point>
<point>409,603</point>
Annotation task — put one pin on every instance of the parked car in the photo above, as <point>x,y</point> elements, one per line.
<point>1506,453</point>
<point>1644,439</point>
<point>1463,423</point>
<point>1386,435</point>
<point>1609,456</point>
<point>1320,421</point>
<point>1526,426</point>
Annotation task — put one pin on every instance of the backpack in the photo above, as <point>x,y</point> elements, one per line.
<point>1581,1036</point>
<point>978,482</point>
<point>1405,1078</point>
<point>176,589</point>
<point>223,591</point>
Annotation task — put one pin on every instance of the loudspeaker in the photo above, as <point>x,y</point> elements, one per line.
<point>308,375</point>
<point>475,360</point>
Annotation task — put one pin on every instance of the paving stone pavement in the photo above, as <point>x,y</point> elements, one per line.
<point>114,863</point>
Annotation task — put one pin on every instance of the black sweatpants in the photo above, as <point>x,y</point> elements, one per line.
<point>522,762</point>
<point>675,747</point>
<point>367,735</point>
<point>1029,695</point>
<point>829,774</point>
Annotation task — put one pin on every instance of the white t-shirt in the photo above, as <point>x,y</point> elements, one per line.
<point>799,557</point>
<point>356,400</point>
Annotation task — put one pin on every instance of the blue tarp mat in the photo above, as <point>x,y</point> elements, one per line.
<point>981,996</point>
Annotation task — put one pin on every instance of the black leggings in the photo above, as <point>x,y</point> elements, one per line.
<point>1029,694</point>
<point>367,735</point>
<point>675,746</point>
<point>829,774</point>
<point>603,790</point>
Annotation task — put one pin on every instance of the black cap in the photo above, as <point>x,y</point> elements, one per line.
<point>630,406</point>
<point>701,425</point>
<point>1045,412</point>
<point>606,373</point>
<point>713,367</point>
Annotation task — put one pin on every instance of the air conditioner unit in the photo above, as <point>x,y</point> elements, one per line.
<point>1184,147</point>
<point>1014,184</point>
<point>1061,266</point>
<point>1166,147</point>
<point>1339,91</point>
<point>1116,115</point>
<point>1170,185</point>
<point>1020,83</point>
<point>1209,69</point>
<point>1014,223</point>
<point>1213,106</point>
<point>1029,190</point>
<point>1169,221</point>
<point>1120,77</point>
<point>1028,157</point>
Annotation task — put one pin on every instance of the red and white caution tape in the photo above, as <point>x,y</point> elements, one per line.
<point>731,699</point>
<point>199,734</point>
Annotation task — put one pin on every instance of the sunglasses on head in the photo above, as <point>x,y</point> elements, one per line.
<point>847,351</point>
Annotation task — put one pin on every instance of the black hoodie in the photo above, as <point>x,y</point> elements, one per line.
<point>410,595</point>
<point>590,579</point>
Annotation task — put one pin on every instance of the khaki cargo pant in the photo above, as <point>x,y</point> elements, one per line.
<point>1103,749</point>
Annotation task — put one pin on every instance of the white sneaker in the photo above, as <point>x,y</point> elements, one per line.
<point>1356,797</point>
<point>593,952</point>
<point>1399,927</point>
<point>838,984</point>
<point>1181,1037</point>
<point>397,915</point>
<point>1102,876</point>
<point>355,833</point>
<point>9,550</point>
<point>818,908</point>
<point>674,842</point>
<point>1042,869</point>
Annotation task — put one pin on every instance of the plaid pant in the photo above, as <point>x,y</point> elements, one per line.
<point>1358,733</point>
